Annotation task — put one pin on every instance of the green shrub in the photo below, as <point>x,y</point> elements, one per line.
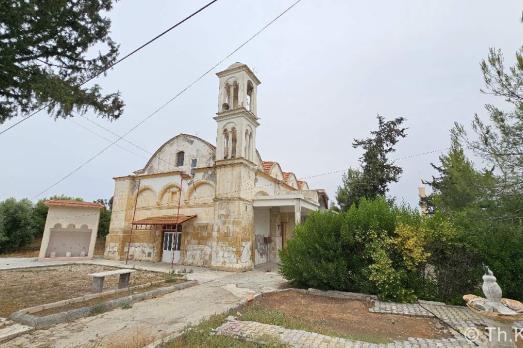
<point>497,238</point>
<point>352,251</point>
<point>388,251</point>
<point>16,229</point>
<point>315,256</point>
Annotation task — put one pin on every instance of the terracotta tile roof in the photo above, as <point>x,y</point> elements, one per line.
<point>71,203</point>
<point>164,220</point>
<point>267,166</point>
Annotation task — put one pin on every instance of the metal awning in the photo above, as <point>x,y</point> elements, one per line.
<point>164,220</point>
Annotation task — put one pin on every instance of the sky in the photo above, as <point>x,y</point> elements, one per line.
<point>327,69</point>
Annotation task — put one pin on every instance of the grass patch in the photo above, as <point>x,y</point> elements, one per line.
<point>174,277</point>
<point>126,305</point>
<point>255,312</point>
<point>98,308</point>
<point>201,336</point>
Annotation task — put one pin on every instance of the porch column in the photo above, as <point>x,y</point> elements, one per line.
<point>297,212</point>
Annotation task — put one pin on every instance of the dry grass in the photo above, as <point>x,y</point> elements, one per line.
<point>139,339</point>
<point>201,336</point>
<point>23,288</point>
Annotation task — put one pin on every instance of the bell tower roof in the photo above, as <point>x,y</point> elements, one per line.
<point>237,67</point>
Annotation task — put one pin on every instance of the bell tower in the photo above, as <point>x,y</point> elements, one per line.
<point>237,119</point>
<point>236,168</point>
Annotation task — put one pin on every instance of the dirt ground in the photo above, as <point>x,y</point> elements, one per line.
<point>33,249</point>
<point>23,288</point>
<point>348,318</point>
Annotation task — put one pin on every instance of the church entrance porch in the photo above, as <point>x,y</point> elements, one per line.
<point>275,218</point>
<point>162,235</point>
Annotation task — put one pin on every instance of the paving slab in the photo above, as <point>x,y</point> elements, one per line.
<point>254,331</point>
<point>26,262</point>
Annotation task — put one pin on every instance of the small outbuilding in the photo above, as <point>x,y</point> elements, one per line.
<point>70,229</point>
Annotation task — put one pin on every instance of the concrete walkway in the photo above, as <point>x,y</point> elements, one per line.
<point>155,318</point>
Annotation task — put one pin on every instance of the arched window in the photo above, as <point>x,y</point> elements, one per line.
<point>234,141</point>
<point>180,156</point>
<point>227,100</point>
<point>235,93</point>
<point>250,89</point>
<point>246,147</point>
<point>225,144</point>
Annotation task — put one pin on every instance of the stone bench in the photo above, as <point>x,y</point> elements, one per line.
<point>123,282</point>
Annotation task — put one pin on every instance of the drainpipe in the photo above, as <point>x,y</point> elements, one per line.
<point>134,214</point>
<point>177,216</point>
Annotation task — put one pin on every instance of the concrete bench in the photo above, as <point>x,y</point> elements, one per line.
<point>123,282</point>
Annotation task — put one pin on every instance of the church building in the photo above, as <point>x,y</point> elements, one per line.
<point>219,206</point>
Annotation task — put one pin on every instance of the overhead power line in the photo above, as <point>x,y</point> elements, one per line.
<point>162,106</point>
<point>117,62</point>
<point>344,170</point>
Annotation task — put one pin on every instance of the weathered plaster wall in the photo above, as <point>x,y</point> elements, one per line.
<point>276,243</point>
<point>164,159</point>
<point>264,185</point>
<point>158,195</point>
<point>235,179</point>
<point>197,241</point>
<point>233,235</point>
<point>80,221</point>
<point>262,229</point>
<point>125,189</point>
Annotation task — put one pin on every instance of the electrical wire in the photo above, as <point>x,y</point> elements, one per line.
<point>117,62</point>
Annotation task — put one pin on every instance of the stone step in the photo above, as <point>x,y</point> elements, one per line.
<point>14,330</point>
<point>5,322</point>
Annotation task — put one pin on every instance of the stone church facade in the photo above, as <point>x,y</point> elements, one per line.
<point>219,206</point>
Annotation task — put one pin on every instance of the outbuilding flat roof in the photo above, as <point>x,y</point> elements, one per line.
<point>71,203</point>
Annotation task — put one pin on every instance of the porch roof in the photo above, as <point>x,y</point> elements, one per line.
<point>164,220</point>
<point>288,200</point>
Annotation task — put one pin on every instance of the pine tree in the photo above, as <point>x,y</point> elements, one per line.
<point>458,184</point>
<point>500,141</point>
<point>377,171</point>
<point>46,53</point>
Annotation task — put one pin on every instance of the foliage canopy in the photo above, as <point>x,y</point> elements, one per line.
<point>377,171</point>
<point>45,57</point>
